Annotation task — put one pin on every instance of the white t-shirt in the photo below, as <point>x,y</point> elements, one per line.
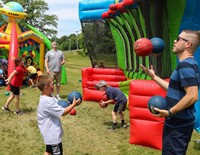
<point>48,116</point>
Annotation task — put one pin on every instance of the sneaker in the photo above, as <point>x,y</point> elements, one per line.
<point>124,125</point>
<point>33,86</point>
<point>5,109</point>
<point>19,112</point>
<point>112,128</point>
<point>58,97</point>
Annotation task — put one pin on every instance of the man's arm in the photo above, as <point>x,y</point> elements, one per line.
<point>63,62</point>
<point>189,99</point>
<point>162,83</point>
<point>46,66</point>
<point>150,71</point>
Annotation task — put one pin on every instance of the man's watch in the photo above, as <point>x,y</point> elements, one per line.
<point>170,113</point>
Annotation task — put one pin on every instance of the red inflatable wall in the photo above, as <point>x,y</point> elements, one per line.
<point>145,129</point>
<point>91,76</point>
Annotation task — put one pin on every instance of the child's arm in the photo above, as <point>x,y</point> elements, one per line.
<point>71,106</point>
<point>10,77</point>
<point>2,77</point>
<point>108,102</point>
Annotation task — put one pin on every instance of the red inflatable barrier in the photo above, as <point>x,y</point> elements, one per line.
<point>91,76</point>
<point>145,129</point>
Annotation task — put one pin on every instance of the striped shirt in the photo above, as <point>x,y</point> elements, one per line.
<point>186,74</point>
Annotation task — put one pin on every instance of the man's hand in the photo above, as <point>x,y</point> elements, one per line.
<point>149,71</point>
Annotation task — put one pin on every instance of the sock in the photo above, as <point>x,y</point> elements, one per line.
<point>114,124</point>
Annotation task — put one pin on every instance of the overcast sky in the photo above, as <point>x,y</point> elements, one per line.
<point>67,12</point>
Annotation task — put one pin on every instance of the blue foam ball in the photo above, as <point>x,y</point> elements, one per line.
<point>158,45</point>
<point>156,102</point>
<point>72,94</point>
<point>1,71</point>
<point>63,103</point>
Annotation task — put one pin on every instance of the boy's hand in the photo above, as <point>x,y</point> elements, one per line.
<point>103,103</point>
<point>76,102</point>
<point>7,81</point>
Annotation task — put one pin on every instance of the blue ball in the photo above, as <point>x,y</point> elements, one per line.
<point>156,102</point>
<point>1,82</point>
<point>63,103</point>
<point>158,45</point>
<point>73,94</point>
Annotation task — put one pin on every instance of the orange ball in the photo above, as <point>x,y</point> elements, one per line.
<point>100,104</point>
<point>143,47</point>
<point>72,112</point>
<point>104,98</point>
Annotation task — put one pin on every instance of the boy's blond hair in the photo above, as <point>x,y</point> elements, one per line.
<point>43,80</point>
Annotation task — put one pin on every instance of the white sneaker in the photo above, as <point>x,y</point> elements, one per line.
<point>58,97</point>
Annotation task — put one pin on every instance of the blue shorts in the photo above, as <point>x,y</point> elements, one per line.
<point>55,149</point>
<point>176,139</point>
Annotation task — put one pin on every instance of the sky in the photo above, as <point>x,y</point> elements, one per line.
<point>67,12</point>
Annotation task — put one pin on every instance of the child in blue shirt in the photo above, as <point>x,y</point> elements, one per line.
<point>117,96</point>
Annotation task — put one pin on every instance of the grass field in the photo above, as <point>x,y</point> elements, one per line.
<point>84,134</point>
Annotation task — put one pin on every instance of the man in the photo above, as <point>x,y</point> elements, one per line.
<point>182,93</point>
<point>54,59</point>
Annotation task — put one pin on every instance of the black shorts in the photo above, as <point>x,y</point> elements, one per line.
<point>33,76</point>
<point>55,149</point>
<point>14,90</point>
<point>119,107</point>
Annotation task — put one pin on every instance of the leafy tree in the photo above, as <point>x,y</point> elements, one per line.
<point>46,23</point>
<point>36,16</point>
<point>63,43</point>
<point>73,41</point>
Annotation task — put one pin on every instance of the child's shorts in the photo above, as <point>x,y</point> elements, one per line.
<point>54,149</point>
<point>33,76</point>
<point>119,107</point>
<point>14,90</point>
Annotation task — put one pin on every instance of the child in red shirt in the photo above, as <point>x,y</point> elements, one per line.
<point>15,80</point>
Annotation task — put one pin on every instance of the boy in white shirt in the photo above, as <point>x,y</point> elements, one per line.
<point>48,115</point>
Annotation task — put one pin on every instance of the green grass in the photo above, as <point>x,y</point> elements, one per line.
<point>84,134</point>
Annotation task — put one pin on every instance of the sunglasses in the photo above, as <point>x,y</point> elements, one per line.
<point>180,38</point>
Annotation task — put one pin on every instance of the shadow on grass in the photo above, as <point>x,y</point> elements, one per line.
<point>64,97</point>
<point>108,123</point>
<point>28,110</point>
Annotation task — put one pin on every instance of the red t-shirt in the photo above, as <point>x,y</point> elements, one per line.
<point>18,78</point>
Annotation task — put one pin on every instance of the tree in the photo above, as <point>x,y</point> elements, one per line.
<point>63,43</point>
<point>81,40</point>
<point>36,16</point>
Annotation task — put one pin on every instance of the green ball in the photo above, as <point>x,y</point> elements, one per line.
<point>7,93</point>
